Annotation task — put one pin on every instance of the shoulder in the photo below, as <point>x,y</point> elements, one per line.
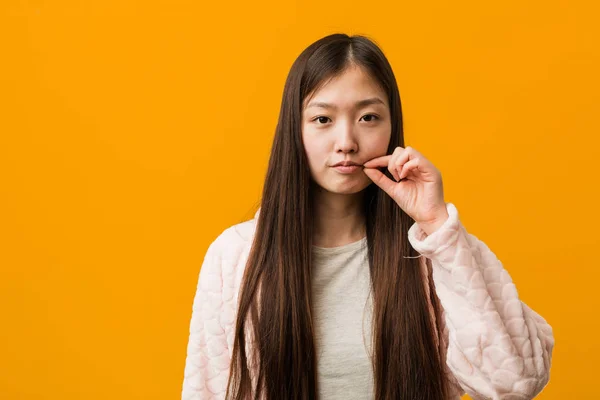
<point>236,236</point>
<point>242,232</point>
<point>222,270</point>
<point>225,250</point>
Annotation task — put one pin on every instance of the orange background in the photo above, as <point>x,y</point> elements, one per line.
<point>133,132</point>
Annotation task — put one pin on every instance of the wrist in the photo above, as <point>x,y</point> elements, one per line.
<point>433,225</point>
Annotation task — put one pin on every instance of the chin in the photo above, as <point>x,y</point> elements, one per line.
<point>345,187</point>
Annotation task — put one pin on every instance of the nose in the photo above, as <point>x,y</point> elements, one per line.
<point>346,141</point>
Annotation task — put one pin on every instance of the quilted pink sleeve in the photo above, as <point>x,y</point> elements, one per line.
<point>207,363</point>
<point>498,347</point>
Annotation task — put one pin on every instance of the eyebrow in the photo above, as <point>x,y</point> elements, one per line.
<point>358,104</point>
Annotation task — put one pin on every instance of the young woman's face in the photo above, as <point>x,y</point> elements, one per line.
<point>336,127</point>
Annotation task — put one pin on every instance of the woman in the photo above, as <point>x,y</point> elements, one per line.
<point>355,279</point>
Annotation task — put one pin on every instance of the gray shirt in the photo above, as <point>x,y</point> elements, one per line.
<point>342,317</point>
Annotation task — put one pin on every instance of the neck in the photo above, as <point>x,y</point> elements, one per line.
<point>338,218</point>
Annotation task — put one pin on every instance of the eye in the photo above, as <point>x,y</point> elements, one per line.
<point>321,119</point>
<point>370,115</point>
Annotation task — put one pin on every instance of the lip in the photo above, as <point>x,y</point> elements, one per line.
<point>347,169</point>
<point>345,163</point>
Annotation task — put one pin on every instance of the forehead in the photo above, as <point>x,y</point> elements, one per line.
<point>347,89</point>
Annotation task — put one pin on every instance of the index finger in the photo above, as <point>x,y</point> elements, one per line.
<point>382,161</point>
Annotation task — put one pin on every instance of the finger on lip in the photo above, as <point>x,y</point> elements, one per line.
<point>381,161</point>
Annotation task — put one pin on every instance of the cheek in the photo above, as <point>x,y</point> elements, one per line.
<point>314,156</point>
<point>383,144</point>
<point>313,148</point>
<point>377,146</point>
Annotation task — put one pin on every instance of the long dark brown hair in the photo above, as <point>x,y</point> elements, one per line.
<point>275,305</point>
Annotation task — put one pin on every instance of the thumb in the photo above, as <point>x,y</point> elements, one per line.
<point>381,180</point>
